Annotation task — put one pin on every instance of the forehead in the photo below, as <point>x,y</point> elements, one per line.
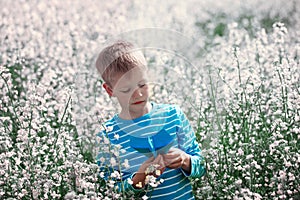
<point>132,77</point>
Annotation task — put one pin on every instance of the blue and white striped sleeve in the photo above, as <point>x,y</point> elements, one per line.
<point>188,143</point>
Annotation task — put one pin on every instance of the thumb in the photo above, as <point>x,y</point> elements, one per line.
<point>151,159</point>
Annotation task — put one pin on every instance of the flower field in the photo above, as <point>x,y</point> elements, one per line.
<point>232,66</point>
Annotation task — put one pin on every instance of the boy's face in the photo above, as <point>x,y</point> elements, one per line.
<point>131,90</point>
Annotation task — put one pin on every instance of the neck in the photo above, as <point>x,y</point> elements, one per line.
<point>127,114</point>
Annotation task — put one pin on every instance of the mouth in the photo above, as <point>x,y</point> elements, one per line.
<point>138,102</point>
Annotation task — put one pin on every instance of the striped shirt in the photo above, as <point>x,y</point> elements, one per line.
<point>171,120</point>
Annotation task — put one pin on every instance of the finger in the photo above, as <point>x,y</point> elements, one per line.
<point>176,162</point>
<point>158,157</point>
<point>162,169</point>
<point>159,160</point>
<point>173,149</point>
<point>151,159</point>
<point>174,165</point>
<point>173,160</point>
<point>171,156</point>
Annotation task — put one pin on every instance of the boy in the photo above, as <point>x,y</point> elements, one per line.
<point>154,139</point>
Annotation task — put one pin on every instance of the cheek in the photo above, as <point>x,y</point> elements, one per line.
<point>145,90</point>
<point>146,93</point>
<point>125,97</point>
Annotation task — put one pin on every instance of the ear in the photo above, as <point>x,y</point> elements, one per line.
<point>108,89</point>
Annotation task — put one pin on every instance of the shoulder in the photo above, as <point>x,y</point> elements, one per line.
<point>167,108</point>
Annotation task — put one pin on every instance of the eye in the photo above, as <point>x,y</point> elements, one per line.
<point>142,85</point>
<point>125,90</point>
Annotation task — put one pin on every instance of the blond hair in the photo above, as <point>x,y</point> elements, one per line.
<point>119,57</point>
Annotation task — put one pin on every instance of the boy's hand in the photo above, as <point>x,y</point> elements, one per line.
<point>148,166</point>
<point>177,158</point>
<point>151,166</point>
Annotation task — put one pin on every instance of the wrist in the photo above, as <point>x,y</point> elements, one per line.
<point>186,165</point>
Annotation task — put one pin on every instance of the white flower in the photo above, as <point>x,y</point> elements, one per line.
<point>106,140</point>
<point>238,182</point>
<point>126,163</point>
<point>129,181</point>
<point>116,136</point>
<point>18,161</point>
<point>282,175</point>
<point>240,152</point>
<point>70,195</point>
<point>111,183</point>
<point>122,150</point>
<point>115,174</point>
<point>113,162</point>
<point>102,174</point>
<point>139,185</point>
<point>102,159</point>
<point>109,128</point>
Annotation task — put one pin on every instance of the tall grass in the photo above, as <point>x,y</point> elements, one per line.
<point>255,155</point>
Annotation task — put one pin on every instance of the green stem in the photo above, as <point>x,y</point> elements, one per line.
<point>238,65</point>
<point>12,103</point>
<point>65,111</point>
<point>61,121</point>
<point>283,94</point>
<point>213,98</point>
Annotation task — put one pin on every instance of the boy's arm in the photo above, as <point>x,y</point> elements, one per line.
<point>187,142</point>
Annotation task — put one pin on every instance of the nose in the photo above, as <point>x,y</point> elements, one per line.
<point>137,93</point>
